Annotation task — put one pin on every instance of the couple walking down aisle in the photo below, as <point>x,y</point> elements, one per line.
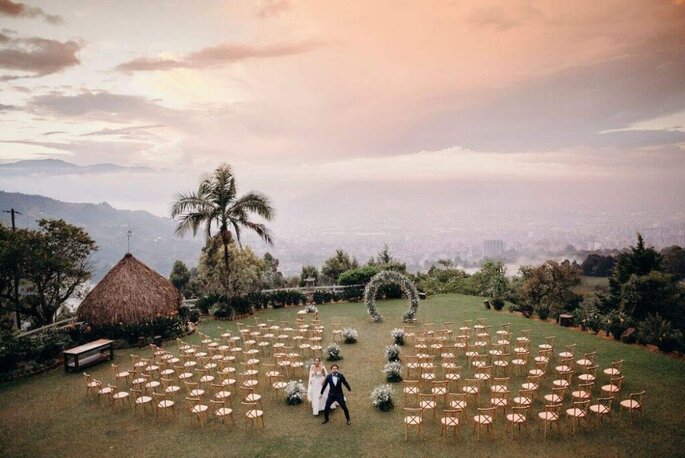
<point>321,383</point>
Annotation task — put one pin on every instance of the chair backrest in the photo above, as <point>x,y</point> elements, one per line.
<point>582,405</point>
<point>638,397</point>
<point>491,411</point>
<point>618,365</point>
<point>617,381</point>
<point>555,408</point>
<point>606,402</point>
<point>452,413</point>
<point>413,412</point>
<point>501,381</point>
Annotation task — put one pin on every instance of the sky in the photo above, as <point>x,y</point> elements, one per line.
<point>306,97</point>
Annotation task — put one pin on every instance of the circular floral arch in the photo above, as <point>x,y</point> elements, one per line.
<point>388,277</point>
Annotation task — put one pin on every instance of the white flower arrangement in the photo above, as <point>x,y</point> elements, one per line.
<point>381,398</point>
<point>311,308</point>
<point>350,335</point>
<point>295,392</point>
<point>333,352</point>
<point>393,371</point>
<point>392,352</point>
<point>398,335</point>
<point>388,277</point>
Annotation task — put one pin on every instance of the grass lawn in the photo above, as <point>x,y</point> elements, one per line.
<point>49,415</point>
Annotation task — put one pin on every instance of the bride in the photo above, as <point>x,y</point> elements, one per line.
<point>317,375</point>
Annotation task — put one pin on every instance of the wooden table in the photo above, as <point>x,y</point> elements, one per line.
<point>88,354</point>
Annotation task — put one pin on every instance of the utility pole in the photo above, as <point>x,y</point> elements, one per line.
<point>13,212</point>
<point>129,234</point>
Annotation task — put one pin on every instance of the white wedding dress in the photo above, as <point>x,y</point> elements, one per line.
<point>316,379</point>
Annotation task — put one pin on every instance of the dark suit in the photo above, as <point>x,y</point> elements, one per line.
<point>335,394</point>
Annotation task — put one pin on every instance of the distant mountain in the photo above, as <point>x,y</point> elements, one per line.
<point>59,167</point>
<point>153,240</point>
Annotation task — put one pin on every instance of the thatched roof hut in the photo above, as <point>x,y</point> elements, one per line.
<point>130,293</point>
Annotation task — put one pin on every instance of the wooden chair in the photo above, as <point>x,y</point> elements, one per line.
<point>453,376</point>
<point>221,411</point>
<point>486,419</point>
<point>472,388</point>
<point>499,384</point>
<point>92,385</point>
<point>614,387</point>
<point>577,412</point>
<point>413,418</point>
<point>252,414</point>
<point>170,388</point>
<point>278,384</point>
<point>197,409</point>
<point>410,388</point>
<point>583,392</point>
<point>589,375</point>
<point>122,396</point>
<point>427,402</point>
<point>569,351</point>
<point>517,418</point>
<point>500,400</point>
<point>140,400</point>
<point>222,394</point>
<point>633,403</point>
<point>450,420</point>
<point>192,390</point>
<point>556,397</point>
<point>439,388</point>
<point>550,416</point>
<point>501,364</point>
<point>119,375</point>
<point>524,399</point>
<point>105,392</point>
<point>615,369</point>
<point>602,408</point>
<point>520,362</point>
<point>162,404</point>
<point>249,396</point>
<point>457,401</point>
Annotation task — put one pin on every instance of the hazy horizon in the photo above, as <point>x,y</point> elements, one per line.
<point>436,124</point>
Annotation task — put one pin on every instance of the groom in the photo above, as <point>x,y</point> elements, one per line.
<point>336,380</point>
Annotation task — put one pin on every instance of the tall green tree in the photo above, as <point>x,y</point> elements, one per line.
<point>53,263</point>
<point>673,261</point>
<point>180,275</point>
<point>216,206</point>
<point>549,286</point>
<point>340,262</point>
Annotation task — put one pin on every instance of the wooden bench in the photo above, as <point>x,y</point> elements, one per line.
<point>88,354</point>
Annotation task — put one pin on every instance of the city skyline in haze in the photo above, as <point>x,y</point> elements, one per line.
<point>438,120</point>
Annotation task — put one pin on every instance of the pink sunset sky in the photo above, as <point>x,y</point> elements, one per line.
<point>303,95</point>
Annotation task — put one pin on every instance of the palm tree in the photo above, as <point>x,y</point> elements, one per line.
<point>215,205</point>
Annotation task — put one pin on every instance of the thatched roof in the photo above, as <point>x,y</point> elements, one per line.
<point>130,293</point>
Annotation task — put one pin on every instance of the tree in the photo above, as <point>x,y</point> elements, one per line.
<point>216,204</point>
<point>273,278</point>
<point>637,260</point>
<point>307,272</point>
<point>180,276</point>
<point>358,276</point>
<point>549,286</point>
<point>491,280</point>
<point>385,261</point>
<point>243,276</point>
<point>597,265</point>
<point>337,264</point>
<point>673,261</point>
<point>52,263</point>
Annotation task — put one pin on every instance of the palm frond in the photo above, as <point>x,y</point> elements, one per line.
<point>254,202</point>
<point>258,228</point>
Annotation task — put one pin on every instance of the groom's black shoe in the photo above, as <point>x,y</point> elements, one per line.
<point>349,422</point>
<point>325,421</point>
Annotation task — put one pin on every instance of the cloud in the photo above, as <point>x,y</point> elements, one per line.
<point>215,56</point>
<point>90,151</point>
<point>4,107</point>
<point>36,56</point>
<point>269,8</point>
<point>20,10</point>
<point>101,105</point>
<point>126,131</point>
<point>492,16</point>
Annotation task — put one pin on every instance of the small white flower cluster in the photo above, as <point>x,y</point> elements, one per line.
<point>393,371</point>
<point>350,335</point>
<point>333,352</point>
<point>392,352</point>
<point>311,308</point>
<point>294,392</point>
<point>381,397</point>
<point>398,335</point>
